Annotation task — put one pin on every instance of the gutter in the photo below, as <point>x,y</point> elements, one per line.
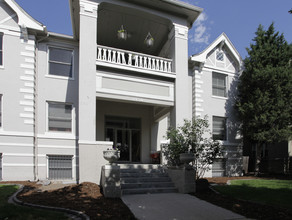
<point>35,127</point>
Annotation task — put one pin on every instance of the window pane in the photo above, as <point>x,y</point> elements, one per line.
<point>60,69</point>
<point>60,117</point>
<point>219,128</point>
<point>60,55</point>
<point>1,49</point>
<point>0,110</point>
<point>219,84</point>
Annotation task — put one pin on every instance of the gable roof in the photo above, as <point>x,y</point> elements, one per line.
<point>24,19</point>
<point>201,57</point>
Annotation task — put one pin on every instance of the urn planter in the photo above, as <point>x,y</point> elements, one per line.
<point>111,155</point>
<point>186,158</point>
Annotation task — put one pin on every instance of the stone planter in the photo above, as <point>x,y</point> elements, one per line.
<point>111,155</point>
<point>186,158</point>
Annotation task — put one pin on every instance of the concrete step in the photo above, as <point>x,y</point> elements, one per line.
<point>149,190</point>
<point>145,179</point>
<point>140,170</point>
<point>140,166</point>
<point>142,174</point>
<point>147,185</point>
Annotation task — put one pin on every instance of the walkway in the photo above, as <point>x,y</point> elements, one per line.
<point>175,206</point>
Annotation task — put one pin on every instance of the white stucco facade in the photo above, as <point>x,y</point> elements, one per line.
<point>112,92</point>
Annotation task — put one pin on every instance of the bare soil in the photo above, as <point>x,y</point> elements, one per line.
<point>246,208</point>
<point>85,197</point>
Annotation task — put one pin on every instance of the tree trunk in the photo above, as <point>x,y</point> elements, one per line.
<point>258,158</point>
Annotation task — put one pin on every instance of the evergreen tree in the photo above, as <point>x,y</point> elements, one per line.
<point>265,90</point>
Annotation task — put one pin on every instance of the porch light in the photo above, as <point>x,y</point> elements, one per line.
<point>149,40</point>
<point>122,33</point>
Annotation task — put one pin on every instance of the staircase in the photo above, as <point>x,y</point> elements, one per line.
<point>145,178</point>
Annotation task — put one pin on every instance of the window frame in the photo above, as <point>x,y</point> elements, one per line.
<point>1,111</point>
<point>2,50</point>
<point>225,138</point>
<point>72,118</point>
<point>223,56</point>
<point>1,166</point>
<point>48,62</point>
<point>225,76</point>
<point>60,155</point>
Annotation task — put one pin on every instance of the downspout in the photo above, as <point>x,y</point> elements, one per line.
<point>35,127</point>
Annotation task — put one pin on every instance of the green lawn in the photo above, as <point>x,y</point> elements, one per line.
<point>273,192</point>
<point>11,212</point>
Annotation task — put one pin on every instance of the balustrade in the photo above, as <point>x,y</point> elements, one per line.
<point>133,59</point>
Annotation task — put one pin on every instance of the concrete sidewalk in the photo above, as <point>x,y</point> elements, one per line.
<point>175,206</point>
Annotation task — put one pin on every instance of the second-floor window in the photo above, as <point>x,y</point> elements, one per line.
<point>60,62</point>
<point>219,85</point>
<point>0,110</point>
<point>219,128</point>
<point>1,49</point>
<point>60,117</point>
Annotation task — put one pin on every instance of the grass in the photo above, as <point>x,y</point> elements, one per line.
<point>272,192</point>
<point>11,212</point>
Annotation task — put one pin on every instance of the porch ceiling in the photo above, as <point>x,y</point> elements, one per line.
<point>137,24</point>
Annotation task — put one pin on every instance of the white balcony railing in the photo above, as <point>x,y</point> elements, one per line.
<point>134,60</point>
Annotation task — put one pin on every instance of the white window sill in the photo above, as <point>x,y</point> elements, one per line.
<point>219,97</point>
<point>58,135</point>
<point>59,77</point>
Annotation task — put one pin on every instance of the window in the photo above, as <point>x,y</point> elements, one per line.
<point>0,166</point>
<point>219,85</point>
<point>60,167</point>
<point>1,49</point>
<point>0,110</point>
<point>60,62</point>
<point>60,117</point>
<point>219,55</point>
<point>219,128</point>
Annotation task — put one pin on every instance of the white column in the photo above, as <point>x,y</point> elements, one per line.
<point>87,70</point>
<point>183,91</point>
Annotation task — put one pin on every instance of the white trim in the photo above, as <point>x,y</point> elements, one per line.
<point>1,111</point>
<point>23,18</point>
<point>16,145</point>
<point>18,134</point>
<point>110,143</point>
<point>18,155</point>
<point>8,18</point>
<point>53,135</point>
<point>56,146</point>
<point>18,164</point>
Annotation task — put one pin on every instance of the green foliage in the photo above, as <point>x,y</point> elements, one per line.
<point>194,136</point>
<point>273,192</point>
<point>265,89</point>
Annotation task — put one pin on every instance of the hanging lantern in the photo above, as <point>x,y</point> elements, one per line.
<point>149,40</point>
<point>122,33</point>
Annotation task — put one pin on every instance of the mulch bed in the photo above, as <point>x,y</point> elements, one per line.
<point>245,208</point>
<point>85,197</point>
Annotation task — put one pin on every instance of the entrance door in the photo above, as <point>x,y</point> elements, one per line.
<point>125,133</point>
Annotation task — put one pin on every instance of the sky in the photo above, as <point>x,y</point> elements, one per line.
<point>239,19</point>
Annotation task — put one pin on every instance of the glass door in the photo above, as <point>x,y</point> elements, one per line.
<point>125,133</point>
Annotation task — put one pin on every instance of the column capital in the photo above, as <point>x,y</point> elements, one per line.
<point>179,31</point>
<point>88,8</point>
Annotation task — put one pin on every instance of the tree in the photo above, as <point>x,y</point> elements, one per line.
<point>194,136</point>
<point>265,91</point>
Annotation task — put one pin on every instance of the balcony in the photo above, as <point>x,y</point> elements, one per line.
<point>133,61</point>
